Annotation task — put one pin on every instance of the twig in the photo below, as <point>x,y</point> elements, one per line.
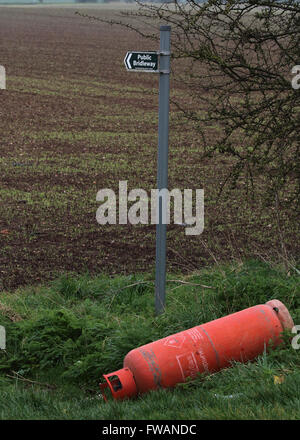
<point>131,285</point>
<point>168,281</point>
<point>190,284</point>
<point>289,263</point>
<point>192,265</point>
<point>23,379</point>
<point>213,256</point>
<point>126,287</point>
<point>152,282</point>
<point>281,237</point>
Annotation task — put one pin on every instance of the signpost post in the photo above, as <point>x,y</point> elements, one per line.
<point>158,62</point>
<point>162,167</point>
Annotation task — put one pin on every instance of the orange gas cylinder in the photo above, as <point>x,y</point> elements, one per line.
<point>207,348</point>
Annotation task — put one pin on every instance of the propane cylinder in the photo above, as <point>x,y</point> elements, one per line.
<point>241,337</point>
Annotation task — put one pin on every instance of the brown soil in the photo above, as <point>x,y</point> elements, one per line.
<point>43,49</point>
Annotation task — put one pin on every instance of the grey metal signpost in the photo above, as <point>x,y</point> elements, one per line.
<point>162,166</point>
<point>148,62</point>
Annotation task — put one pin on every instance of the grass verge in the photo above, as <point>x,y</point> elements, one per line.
<point>62,337</point>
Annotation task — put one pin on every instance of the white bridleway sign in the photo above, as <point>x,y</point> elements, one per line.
<point>142,61</point>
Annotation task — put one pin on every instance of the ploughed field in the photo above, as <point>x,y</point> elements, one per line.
<point>74,121</point>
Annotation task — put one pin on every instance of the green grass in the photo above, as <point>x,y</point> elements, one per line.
<point>65,335</point>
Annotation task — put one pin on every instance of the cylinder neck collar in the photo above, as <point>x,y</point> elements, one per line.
<point>121,384</point>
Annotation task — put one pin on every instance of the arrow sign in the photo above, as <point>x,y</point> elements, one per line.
<point>141,61</point>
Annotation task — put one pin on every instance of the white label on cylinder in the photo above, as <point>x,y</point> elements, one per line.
<point>188,365</point>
